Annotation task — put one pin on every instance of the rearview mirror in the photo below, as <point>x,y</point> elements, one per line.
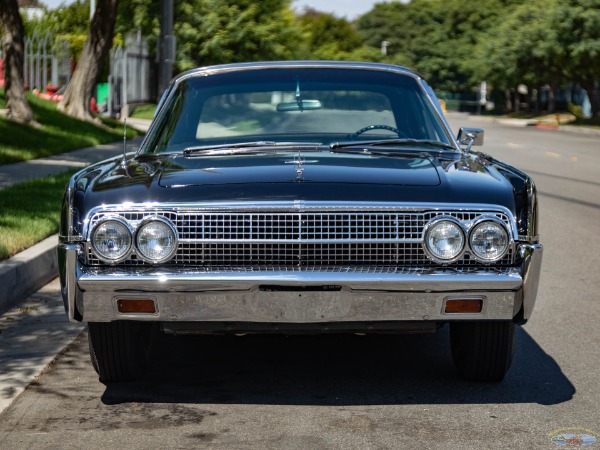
<point>300,105</point>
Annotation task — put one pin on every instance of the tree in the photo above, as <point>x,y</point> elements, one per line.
<point>522,49</point>
<point>326,31</point>
<point>224,31</point>
<point>577,25</point>
<point>437,38</point>
<point>13,47</point>
<point>80,90</point>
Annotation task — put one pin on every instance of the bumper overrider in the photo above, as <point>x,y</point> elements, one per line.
<point>297,297</point>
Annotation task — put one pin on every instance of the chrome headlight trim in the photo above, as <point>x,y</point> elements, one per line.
<point>480,222</point>
<point>123,256</point>
<point>172,229</point>
<point>427,230</point>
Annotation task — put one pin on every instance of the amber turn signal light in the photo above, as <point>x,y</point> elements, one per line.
<point>463,305</point>
<point>136,306</point>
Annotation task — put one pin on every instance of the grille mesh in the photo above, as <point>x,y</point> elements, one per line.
<point>300,239</point>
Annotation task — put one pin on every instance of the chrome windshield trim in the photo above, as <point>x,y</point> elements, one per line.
<point>302,64</point>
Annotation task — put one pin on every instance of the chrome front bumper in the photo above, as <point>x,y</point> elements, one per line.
<point>297,296</point>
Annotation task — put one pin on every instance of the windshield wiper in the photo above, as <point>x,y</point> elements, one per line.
<point>247,147</point>
<point>407,141</point>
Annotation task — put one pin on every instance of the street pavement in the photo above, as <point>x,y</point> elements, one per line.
<point>35,330</point>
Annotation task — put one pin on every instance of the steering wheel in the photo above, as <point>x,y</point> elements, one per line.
<point>375,127</point>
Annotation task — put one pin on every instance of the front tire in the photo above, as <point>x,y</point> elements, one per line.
<point>482,351</point>
<point>118,349</point>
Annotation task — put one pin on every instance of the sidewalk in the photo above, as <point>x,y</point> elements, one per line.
<point>577,129</point>
<point>33,325</point>
<point>11,174</point>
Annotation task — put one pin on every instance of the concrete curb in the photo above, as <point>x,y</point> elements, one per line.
<point>28,271</point>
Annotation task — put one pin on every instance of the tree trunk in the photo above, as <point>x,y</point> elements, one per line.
<point>508,103</point>
<point>592,92</point>
<point>552,98</point>
<point>13,46</point>
<point>80,90</point>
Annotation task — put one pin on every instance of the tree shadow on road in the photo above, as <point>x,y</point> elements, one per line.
<point>333,370</point>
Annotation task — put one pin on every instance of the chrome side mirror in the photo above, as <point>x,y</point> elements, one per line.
<point>470,137</point>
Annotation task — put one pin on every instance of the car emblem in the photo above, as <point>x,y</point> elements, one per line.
<point>299,166</point>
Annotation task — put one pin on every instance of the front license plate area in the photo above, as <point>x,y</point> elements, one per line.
<point>300,306</point>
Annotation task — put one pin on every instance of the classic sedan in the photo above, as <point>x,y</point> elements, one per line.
<point>301,197</point>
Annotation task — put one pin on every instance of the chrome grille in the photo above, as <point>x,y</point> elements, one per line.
<point>224,240</point>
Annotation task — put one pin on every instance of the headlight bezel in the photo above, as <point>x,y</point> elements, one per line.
<point>480,221</point>
<point>100,255</point>
<point>428,229</point>
<point>140,227</point>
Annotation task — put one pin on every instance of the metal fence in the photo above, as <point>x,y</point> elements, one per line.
<point>46,61</point>
<point>129,79</point>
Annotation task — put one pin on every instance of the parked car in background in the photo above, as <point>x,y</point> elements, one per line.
<point>310,197</point>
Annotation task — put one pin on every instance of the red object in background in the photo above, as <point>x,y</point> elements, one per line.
<point>2,71</point>
<point>93,105</point>
<point>51,89</point>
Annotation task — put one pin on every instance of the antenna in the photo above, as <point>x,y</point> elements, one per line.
<point>125,140</point>
<point>124,160</point>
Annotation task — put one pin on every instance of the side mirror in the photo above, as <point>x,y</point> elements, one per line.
<point>466,135</point>
<point>470,137</point>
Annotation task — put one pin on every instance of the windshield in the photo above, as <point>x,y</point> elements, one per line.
<point>295,105</point>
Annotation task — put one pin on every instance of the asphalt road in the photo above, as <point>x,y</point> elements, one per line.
<point>362,392</point>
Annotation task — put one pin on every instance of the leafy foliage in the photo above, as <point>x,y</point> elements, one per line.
<point>453,43</point>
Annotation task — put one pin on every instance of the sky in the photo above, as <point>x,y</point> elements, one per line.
<point>350,9</point>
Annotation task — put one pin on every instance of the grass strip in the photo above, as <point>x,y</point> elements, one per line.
<point>144,111</point>
<point>58,133</point>
<point>30,212</point>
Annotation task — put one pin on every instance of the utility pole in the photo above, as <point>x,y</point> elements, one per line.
<point>166,49</point>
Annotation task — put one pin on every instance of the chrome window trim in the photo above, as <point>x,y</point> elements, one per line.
<point>244,67</point>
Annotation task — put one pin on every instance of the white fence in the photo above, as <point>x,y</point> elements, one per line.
<point>129,79</point>
<point>46,61</point>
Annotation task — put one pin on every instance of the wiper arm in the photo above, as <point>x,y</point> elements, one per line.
<point>376,152</point>
<point>245,147</point>
<point>407,141</point>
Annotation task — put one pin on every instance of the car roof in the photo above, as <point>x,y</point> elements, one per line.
<point>304,64</point>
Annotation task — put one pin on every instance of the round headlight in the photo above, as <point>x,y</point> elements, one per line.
<point>489,241</point>
<point>156,240</point>
<point>111,240</point>
<point>444,240</point>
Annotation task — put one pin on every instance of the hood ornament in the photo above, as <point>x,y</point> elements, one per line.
<point>299,166</point>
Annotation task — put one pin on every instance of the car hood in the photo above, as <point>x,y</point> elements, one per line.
<point>289,167</point>
<point>321,176</point>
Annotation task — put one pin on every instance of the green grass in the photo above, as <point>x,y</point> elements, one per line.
<point>594,122</point>
<point>144,112</point>
<point>58,133</point>
<point>30,212</point>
